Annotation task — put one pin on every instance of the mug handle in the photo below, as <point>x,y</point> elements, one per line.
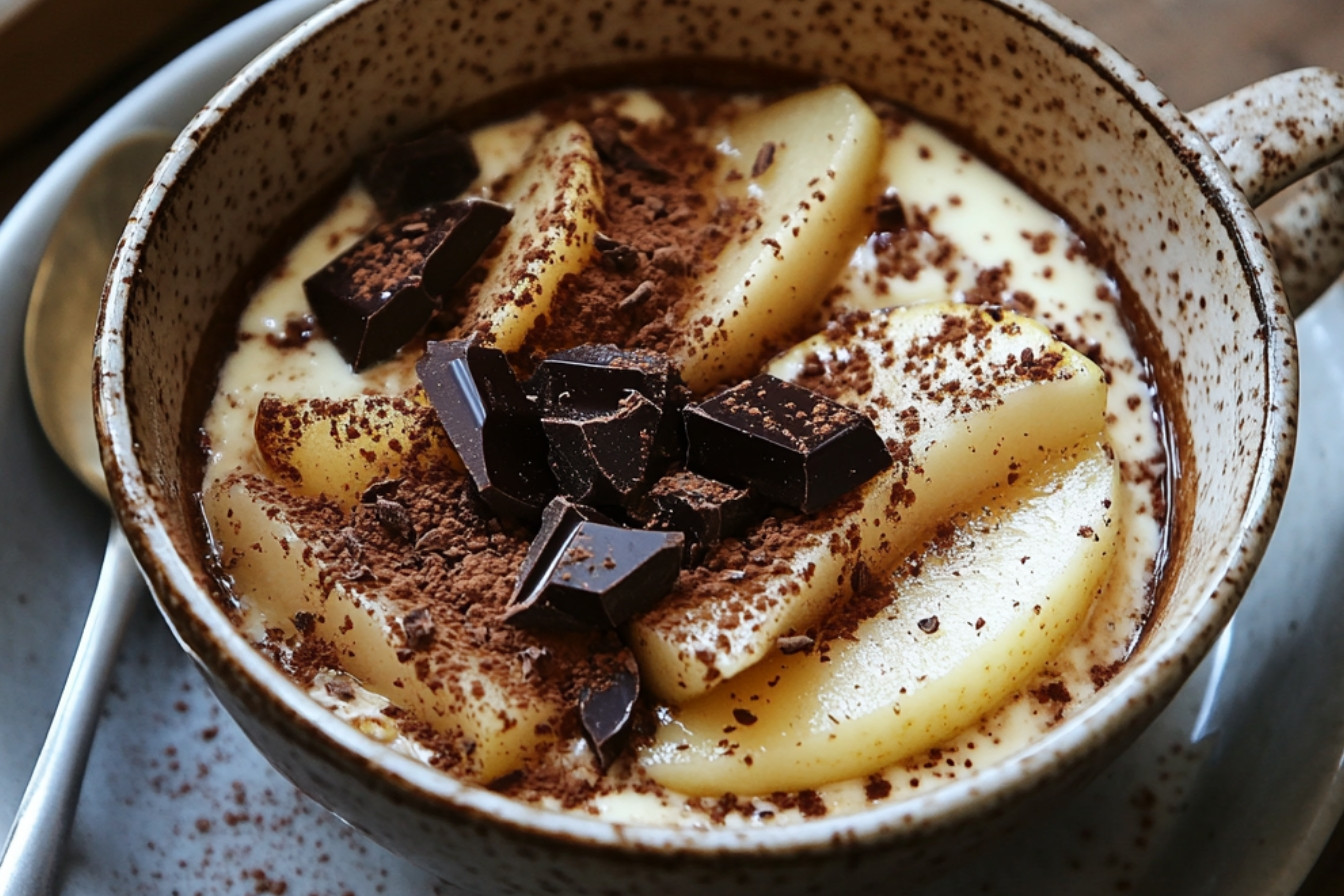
<point>1271,135</point>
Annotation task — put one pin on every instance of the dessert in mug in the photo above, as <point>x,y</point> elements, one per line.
<point>690,458</point>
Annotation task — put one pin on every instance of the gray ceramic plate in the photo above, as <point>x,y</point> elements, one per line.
<point>1232,791</point>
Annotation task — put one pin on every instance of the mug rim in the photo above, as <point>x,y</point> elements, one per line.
<point>214,642</point>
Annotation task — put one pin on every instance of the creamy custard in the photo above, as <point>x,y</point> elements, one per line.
<point>970,236</point>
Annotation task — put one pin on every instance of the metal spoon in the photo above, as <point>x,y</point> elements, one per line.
<point>57,350</point>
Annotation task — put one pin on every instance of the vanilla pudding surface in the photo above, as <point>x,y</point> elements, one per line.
<point>969,235</point>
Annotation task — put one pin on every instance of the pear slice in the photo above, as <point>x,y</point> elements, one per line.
<point>809,215</point>
<point>972,626</point>
<point>276,568</point>
<point>557,203</point>
<point>968,400</point>
<point>339,447</point>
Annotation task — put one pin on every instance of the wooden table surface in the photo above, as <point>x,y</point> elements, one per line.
<point>1196,50</point>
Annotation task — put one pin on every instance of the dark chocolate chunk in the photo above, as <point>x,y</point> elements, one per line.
<point>605,713</point>
<point>378,294</point>
<point>491,424</point>
<point>765,157</point>
<point>558,522</point>
<point>615,151</point>
<point>583,572</point>
<point>606,458</point>
<point>703,509</point>
<point>890,213</point>
<point>607,447</point>
<point>423,171</point>
<point>786,442</point>
<point>594,379</point>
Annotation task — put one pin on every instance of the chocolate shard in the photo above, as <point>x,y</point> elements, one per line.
<point>588,380</point>
<point>594,378</point>
<point>765,157</point>
<point>605,712</point>
<point>703,509</point>
<point>613,420</point>
<point>583,572</point>
<point>424,170</point>
<point>786,442</point>
<point>613,149</point>
<point>491,424</point>
<point>606,458</point>
<point>377,295</point>
<point>558,521</point>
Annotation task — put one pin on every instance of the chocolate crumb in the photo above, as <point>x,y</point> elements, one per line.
<point>395,517</point>
<point>639,295</point>
<point>876,788</point>
<point>765,157</point>
<point>928,625</point>
<point>613,149</point>
<point>419,628</point>
<point>789,644</point>
<point>890,212</point>
<point>340,688</point>
<point>620,257</point>
<point>298,332</point>
<point>304,622</point>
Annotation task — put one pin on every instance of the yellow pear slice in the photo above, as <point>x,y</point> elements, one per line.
<point>968,399</point>
<point>809,215</point>
<point>557,203</point>
<point>959,636</point>
<point>276,569</point>
<point>338,447</point>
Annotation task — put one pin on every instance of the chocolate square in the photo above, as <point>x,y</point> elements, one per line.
<point>378,294</point>
<point>788,443</point>
<point>419,172</point>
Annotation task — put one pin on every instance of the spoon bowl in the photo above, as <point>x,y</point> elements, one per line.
<point>63,308</point>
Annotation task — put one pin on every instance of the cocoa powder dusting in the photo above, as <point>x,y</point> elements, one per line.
<point>448,589</point>
<point>659,234</point>
<point>445,568</point>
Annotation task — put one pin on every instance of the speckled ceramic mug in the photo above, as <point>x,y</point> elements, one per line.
<point>1055,108</point>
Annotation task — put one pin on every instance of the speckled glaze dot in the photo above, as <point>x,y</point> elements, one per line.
<point>1035,92</point>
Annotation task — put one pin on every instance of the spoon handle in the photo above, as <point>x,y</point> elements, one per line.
<point>30,865</point>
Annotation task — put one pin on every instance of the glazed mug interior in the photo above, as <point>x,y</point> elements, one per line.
<point>1056,110</point>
